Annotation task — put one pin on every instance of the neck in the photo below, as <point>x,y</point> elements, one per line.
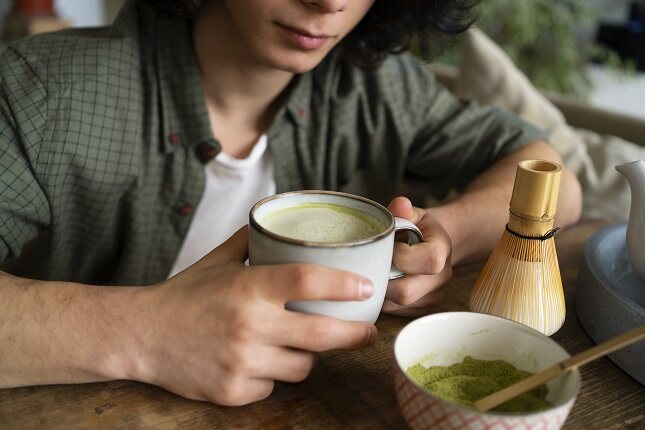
<point>242,95</point>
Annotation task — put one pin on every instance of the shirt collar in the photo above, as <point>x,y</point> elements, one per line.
<point>301,100</point>
<point>298,104</point>
<point>182,105</point>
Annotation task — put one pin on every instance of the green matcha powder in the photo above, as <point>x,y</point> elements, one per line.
<point>473,379</point>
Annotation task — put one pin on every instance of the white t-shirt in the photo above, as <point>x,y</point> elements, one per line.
<point>233,186</point>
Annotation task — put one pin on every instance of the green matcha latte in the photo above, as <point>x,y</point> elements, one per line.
<point>322,222</point>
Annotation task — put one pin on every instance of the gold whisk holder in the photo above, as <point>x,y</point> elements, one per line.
<point>521,279</point>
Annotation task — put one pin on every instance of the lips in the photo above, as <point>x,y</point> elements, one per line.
<point>304,39</point>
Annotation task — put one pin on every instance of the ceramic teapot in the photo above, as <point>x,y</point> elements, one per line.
<point>635,174</point>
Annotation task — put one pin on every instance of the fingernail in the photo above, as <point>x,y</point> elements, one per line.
<point>371,336</point>
<point>365,289</point>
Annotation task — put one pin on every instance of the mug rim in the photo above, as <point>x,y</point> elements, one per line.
<point>255,224</point>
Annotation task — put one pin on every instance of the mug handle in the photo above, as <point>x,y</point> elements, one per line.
<point>414,236</point>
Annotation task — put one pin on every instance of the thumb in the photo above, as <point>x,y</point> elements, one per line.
<point>236,247</point>
<point>402,207</point>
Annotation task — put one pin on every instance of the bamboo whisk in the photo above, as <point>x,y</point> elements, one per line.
<point>521,279</point>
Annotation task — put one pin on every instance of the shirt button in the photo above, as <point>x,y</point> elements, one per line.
<point>175,138</point>
<point>205,152</point>
<point>186,210</point>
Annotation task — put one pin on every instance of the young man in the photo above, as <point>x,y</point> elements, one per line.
<point>128,153</point>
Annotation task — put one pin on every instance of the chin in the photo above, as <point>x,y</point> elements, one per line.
<point>295,63</point>
<point>297,69</point>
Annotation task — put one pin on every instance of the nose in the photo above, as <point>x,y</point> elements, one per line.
<point>328,6</point>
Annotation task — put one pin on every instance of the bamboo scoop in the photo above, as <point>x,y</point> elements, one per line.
<point>571,363</point>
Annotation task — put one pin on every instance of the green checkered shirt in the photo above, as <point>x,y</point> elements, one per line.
<point>104,135</point>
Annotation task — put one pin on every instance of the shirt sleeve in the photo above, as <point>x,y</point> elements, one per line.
<point>24,208</point>
<point>456,140</point>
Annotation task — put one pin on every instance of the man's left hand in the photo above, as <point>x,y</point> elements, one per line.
<point>427,264</point>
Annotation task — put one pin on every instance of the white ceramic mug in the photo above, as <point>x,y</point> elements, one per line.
<point>370,257</point>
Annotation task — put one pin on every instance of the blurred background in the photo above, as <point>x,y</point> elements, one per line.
<point>592,50</point>
<point>76,12</point>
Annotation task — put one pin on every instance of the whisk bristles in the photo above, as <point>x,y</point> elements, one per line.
<point>521,281</point>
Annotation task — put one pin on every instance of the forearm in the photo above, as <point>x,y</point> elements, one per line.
<point>476,219</point>
<point>56,332</point>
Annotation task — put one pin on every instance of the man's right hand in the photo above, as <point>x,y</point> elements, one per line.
<point>219,331</point>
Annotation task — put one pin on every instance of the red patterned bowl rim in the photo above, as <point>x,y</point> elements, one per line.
<point>553,408</point>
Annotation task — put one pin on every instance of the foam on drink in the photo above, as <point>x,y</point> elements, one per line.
<point>322,222</point>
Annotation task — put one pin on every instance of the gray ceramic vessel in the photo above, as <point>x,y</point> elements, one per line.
<point>610,297</point>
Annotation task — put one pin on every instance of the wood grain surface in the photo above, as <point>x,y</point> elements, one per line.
<point>347,390</point>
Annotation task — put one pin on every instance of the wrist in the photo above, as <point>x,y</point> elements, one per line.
<point>128,319</point>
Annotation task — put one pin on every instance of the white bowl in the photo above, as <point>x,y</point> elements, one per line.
<point>446,338</point>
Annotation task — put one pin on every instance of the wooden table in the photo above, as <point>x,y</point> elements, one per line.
<point>347,390</point>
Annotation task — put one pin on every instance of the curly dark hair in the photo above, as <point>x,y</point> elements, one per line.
<point>389,27</point>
